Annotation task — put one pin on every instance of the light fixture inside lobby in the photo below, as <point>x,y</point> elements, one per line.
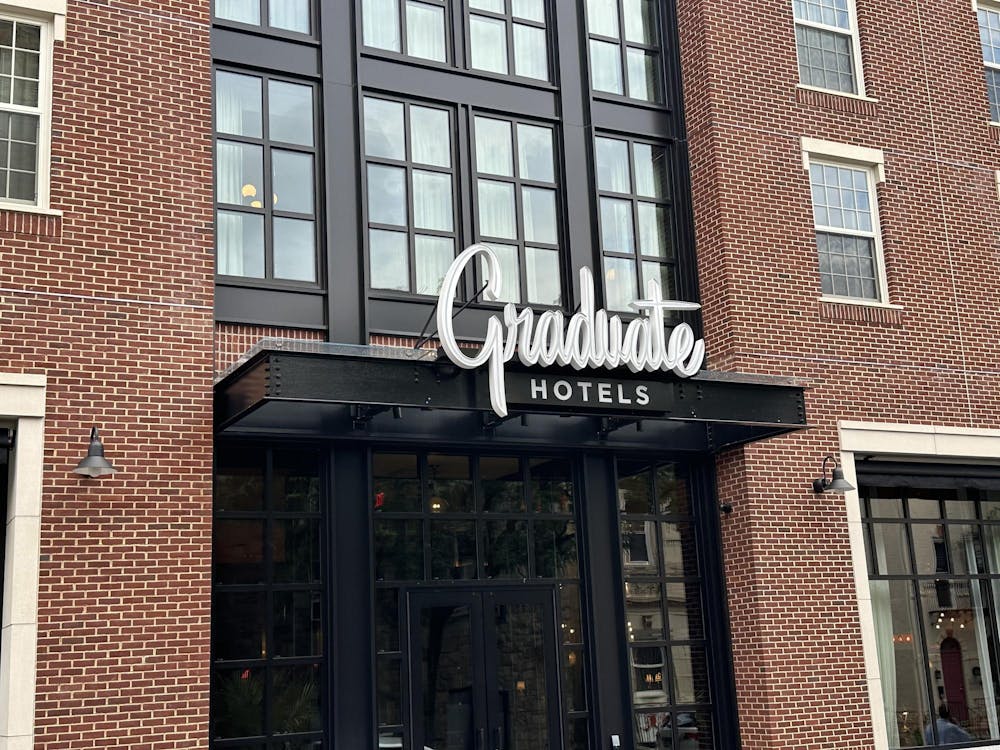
<point>836,484</point>
<point>94,464</point>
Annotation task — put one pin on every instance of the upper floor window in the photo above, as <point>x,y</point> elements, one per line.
<point>624,45</point>
<point>506,37</point>
<point>517,207</point>
<point>989,34</point>
<point>410,205</point>
<point>25,111</point>
<point>284,15</point>
<point>845,213</point>
<point>265,178</point>
<point>826,38</point>
<point>636,231</point>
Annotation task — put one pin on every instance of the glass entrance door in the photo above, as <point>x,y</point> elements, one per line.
<point>483,670</point>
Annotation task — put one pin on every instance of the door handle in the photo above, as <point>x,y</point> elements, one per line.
<point>498,735</point>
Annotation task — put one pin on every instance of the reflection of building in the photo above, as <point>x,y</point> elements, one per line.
<point>350,546</point>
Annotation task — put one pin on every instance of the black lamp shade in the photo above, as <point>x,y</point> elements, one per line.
<point>838,483</point>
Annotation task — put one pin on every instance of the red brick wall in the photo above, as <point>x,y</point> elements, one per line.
<point>797,654</point>
<point>113,302</point>
<point>234,340</point>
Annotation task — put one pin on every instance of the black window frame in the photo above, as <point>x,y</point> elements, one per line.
<point>509,21</point>
<point>264,27</point>
<point>268,209</point>
<point>661,81</point>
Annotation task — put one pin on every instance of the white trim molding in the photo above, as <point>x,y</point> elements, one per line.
<point>22,406</point>
<point>813,148</point>
<point>905,441</point>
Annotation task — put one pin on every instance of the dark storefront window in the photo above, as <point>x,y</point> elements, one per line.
<point>934,573</point>
<point>667,654</point>
<point>267,604</point>
<point>637,238</point>
<point>481,553</point>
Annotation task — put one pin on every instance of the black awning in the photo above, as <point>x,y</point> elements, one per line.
<point>314,390</point>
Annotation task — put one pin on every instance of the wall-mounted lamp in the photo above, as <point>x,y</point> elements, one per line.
<point>94,464</point>
<point>836,483</point>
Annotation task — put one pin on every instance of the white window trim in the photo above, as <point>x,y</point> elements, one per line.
<point>852,32</point>
<point>816,151</point>
<point>995,7</point>
<point>51,16</point>
<point>22,405</point>
<point>929,442</point>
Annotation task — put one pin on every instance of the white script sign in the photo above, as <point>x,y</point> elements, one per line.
<point>590,338</point>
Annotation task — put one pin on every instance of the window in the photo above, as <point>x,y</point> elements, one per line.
<point>668,663</point>
<point>625,48</point>
<point>407,26</point>
<point>410,206</point>
<point>509,37</point>
<point>284,15</point>
<point>636,229</point>
<point>518,207</point>
<point>267,601</point>
<point>265,178</point>
<point>989,34</point>
<point>934,577</point>
<point>25,111</point>
<point>827,42</point>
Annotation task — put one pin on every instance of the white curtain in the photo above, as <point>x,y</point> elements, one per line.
<point>496,209</point>
<point>432,202</point>
<point>530,52</point>
<point>430,136</point>
<point>602,17</point>
<point>539,208</point>
<point>244,11</point>
<point>380,24</point>
<point>489,44</point>
<point>425,31</point>
<point>493,147</point>
<point>616,226</point>
<point>613,166</point>
<point>882,610</point>
<point>510,276</point>
<point>433,256</point>
<point>292,15</point>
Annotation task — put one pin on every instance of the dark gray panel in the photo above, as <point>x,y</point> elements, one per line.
<point>269,307</point>
<point>281,56</point>
<point>643,122</point>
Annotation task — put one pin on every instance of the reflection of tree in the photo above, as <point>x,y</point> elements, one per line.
<point>398,550</point>
<point>555,549</point>
<point>239,700</point>
<point>508,549</point>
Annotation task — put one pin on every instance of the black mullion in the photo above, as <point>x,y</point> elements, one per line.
<point>402,28</point>
<point>425,516</point>
<point>522,237</point>
<point>411,241</point>
<point>622,62</point>
<point>267,200</point>
<point>508,23</point>
<point>269,583</point>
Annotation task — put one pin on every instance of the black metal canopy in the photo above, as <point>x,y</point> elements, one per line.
<point>389,394</point>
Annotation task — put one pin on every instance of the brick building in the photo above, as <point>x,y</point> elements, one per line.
<point>231,239</point>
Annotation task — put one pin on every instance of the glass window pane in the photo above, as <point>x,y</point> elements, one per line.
<point>664,274</point>
<point>386,195</point>
<point>295,699</point>
<point>530,52</point>
<point>606,66</point>
<point>243,11</point>
<point>494,6</point>
<point>555,549</point>
<point>602,17</point>
<point>384,134</point>
<point>238,551</point>
<point>640,21</point>
<point>294,249</point>
<point>432,204</point>
<point>619,283</point>
<point>295,550</point>
<point>25,93</point>
<point>502,484</point>
<point>493,147</point>
<point>290,112</point>
<point>639,547</point>
<point>399,550</point>
<point>386,620</point>
<point>543,276</point>
<point>612,165</point>
<point>396,484</point>
<point>297,623</point>
<point>679,557</point>
<point>684,611</point>
<point>569,613</point>
<point>26,64</point>
<point>238,625</point>
<point>239,174</point>
<point>539,206</point>
<point>890,549</point>
<point>238,104</point>
<point>425,31</point>
<point>292,15</point>
<point>532,10</point>
<point>389,260</point>
<point>489,44</point>
<point>534,153</point>
<point>635,487</point>
<point>28,36</point>
<point>295,484</point>
<point>654,237</point>
<point>450,484</point>
<point>648,676</point>
<point>650,170</point>
<point>239,240</point>
<point>496,209</point>
<point>690,671</point>
<point>293,181</point>
<point>430,136</point>
<point>433,256</point>
<point>510,280</point>
<point>239,479</point>
<point>388,694</point>
<point>575,695</point>
<point>453,550</point>
<point>643,611</point>
<point>506,549</point>
<point>551,484</point>
<point>617,234</point>
<point>380,24</point>
<point>237,702</point>
<point>643,75</point>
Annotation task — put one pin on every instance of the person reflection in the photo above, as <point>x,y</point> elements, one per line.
<point>948,732</point>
